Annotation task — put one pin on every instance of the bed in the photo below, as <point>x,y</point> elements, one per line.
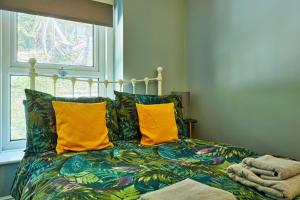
<point>134,170</point>
<point>129,169</point>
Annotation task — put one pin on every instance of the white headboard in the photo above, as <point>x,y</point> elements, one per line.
<point>33,74</point>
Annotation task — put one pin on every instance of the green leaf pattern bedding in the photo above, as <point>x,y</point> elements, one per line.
<point>129,170</point>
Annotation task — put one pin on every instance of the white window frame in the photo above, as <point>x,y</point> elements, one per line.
<point>102,69</point>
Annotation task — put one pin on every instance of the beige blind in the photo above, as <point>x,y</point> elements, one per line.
<point>87,11</point>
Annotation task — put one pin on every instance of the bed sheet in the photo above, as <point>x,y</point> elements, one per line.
<point>129,170</point>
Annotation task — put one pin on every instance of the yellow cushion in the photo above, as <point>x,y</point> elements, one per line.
<point>81,126</point>
<point>157,123</point>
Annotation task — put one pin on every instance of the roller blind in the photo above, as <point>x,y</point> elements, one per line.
<point>87,11</point>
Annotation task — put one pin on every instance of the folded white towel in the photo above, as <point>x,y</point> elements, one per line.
<point>272,168</point>
<point>283,189</point>
<point>188,190</point>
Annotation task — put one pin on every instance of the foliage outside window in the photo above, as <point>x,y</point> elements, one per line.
<point>54,41</point>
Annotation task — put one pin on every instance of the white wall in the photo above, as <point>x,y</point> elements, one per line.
<point>154,35</point>
<point>244,73</point>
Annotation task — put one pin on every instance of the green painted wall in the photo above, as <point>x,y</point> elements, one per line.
<point>153,35</point>
<point>243,69</point>
<point>7,174</point>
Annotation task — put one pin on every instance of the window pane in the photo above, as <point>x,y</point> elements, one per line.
<point>82,89</point>
<point>43,84</point>
<point>17,114</point>
<point>64,88</point>
<point>54,41</point>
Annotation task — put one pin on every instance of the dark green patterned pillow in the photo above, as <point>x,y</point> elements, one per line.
<point>40,119</point>
<point>128,117</point>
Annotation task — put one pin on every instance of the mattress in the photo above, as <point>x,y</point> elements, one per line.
<point>129,170</point>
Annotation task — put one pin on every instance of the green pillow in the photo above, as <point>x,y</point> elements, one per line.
<point>128,117</point>
<point>41,123</point>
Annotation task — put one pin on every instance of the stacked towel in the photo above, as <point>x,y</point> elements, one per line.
<point>272,168</point>
<point>190,190</point>
<point>277,178</point>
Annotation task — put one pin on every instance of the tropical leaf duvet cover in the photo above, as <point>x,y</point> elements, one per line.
<point>129,170</point>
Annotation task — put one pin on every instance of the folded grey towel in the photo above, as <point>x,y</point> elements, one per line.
<point>282,189</point>
<point>272,168</point>
<point>188,190</point>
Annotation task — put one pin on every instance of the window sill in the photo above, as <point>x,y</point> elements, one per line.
<point>11,156</point>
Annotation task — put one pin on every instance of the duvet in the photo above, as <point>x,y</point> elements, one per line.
<point>129,170</point>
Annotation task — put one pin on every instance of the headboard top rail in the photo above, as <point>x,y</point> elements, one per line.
<point>55,77</point>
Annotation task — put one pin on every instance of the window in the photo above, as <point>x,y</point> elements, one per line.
<point>83,50</point>
<point>17,95</point>
<point>54,41</point>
